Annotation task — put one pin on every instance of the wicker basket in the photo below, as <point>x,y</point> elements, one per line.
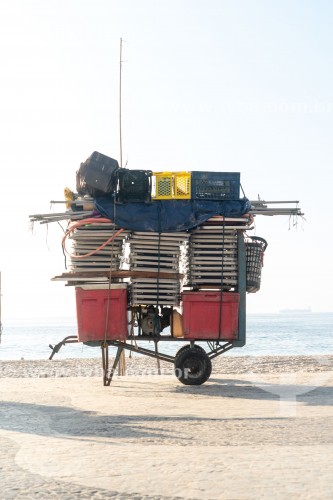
<point>255,249</point>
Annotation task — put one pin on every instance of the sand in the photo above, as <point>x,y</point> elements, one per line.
<point>259,428</point>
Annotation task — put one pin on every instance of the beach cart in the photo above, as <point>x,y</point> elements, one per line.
<point>161,257</point>
<point>187,287</point>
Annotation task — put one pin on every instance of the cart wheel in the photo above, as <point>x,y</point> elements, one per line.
<point>188,346</point>
<point>192,366</point>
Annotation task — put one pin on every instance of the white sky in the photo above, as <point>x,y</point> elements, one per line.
<point>233,85</point>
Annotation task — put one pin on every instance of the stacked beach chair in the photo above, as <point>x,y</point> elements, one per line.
<point>213,253</point>
<point>161,253</point>
<point>89,239</point>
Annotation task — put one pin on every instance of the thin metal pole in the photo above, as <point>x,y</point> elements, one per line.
<point>158,360</point>
<point>120,124</point>
<point>0,298</point>
<point>242,291</point>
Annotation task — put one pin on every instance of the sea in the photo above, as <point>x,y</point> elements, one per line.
<point>290,333</point>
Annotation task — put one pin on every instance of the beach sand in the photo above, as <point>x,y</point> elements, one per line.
<point>261,427</point>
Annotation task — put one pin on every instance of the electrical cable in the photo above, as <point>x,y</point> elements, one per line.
<point>85,222</point>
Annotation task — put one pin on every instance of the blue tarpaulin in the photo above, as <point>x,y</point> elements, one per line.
<point>168,215</point>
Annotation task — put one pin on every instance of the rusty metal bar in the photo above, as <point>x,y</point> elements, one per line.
<point>58,346</point>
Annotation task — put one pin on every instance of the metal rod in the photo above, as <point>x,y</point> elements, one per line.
<point>279,209</point>
<point>142,350</point>
<point>120,124</point>
<point>242,291</point>
<point>108,379</point>
<point>262,202</point>
<point>274,212</point>
<point>220,350</point>
<point>0,309</point>
<point>105,362</point>
<point>71,339</point>
<point>157,358</point>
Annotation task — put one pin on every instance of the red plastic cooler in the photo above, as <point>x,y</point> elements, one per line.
<point>204,315</point>
<point>91,308</point>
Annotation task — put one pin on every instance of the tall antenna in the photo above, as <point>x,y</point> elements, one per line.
<point>120,133</point>
<point>0,310</point>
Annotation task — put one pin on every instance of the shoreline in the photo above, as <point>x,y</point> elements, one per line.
<point>142,365</point>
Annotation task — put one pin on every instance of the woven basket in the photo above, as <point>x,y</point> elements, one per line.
<point>255,249</point>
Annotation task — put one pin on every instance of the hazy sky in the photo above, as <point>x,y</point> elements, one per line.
<point>233,85</point>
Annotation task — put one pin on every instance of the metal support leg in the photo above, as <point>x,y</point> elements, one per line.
<point>158,361</point>
<point>105,361</point>
<point>107,378</point>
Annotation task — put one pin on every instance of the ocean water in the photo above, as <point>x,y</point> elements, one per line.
<point>267,334</point>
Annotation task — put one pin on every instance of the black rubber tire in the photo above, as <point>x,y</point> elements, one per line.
<point>193,366</point>
<point>188,346</point>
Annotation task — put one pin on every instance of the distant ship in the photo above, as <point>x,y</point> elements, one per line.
<point>307,310</point>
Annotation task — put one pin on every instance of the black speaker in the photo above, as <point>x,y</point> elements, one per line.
<point>97,175</point>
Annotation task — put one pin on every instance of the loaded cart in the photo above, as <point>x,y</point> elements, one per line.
<point>205,303</point>
<point>160,257</point>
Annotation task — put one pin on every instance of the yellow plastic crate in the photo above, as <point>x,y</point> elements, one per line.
<point>182,185</point>
<point>171,185</point>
